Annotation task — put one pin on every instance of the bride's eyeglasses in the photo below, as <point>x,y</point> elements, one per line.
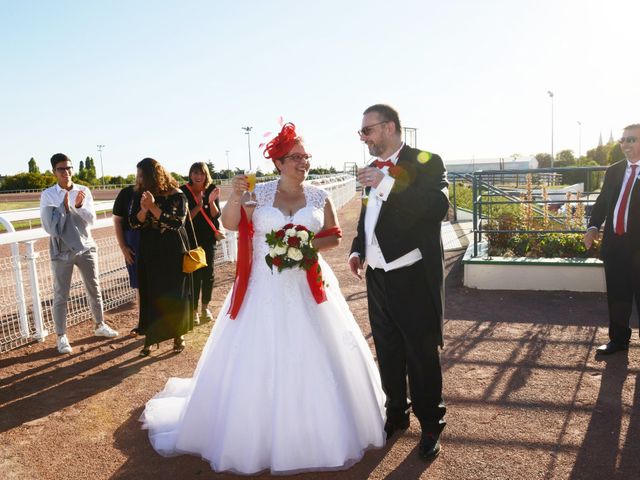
<point>298,157</point>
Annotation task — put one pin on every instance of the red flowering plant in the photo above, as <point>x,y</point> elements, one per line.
<point>291,247</point>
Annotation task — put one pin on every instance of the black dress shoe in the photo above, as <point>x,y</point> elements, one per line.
<point>429,447</point>
<point>611,347</point>
<point>392,426</point>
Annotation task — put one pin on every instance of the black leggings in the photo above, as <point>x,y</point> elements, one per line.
<point>203,278</point>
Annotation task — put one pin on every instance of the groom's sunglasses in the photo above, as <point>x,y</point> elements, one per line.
<point>628,140</point>
<point>367,130</point>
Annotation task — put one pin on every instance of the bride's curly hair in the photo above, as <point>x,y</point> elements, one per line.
<point>154,178</point>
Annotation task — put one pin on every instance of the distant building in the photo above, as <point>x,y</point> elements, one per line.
<point>470,166</point>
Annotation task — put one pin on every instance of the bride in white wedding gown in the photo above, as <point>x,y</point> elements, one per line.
<point>290,384</point>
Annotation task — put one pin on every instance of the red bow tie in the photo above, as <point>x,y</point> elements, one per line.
<point>381,164</point>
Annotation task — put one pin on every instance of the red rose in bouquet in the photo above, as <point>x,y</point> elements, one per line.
<point>291,247</point>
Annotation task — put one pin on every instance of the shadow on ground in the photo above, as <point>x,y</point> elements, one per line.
<point>57,382</point>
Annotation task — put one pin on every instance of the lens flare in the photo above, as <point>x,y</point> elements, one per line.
<point>424,157</point>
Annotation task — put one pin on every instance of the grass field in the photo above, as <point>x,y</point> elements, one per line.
<point>34,223</point>
<point>4,206</point>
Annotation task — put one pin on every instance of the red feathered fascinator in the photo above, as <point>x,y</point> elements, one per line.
<point>282,144</point>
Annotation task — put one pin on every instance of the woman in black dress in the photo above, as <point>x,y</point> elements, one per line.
<point>160,212</point>
<point>204,207</point>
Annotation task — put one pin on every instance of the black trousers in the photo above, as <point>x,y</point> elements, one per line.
<point>203,278</point>
<point>622,273</point>
<point>406,339</point>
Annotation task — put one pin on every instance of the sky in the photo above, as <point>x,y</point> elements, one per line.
<point>177,80</point>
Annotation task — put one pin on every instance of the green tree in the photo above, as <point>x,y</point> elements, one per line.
<point>212,168</point>
<point>28,181</point>
<point>89,171</point>
<point>544,160</point>
<point>565,158</point>
<point>179,178</point>
<point>117,180</point>
<point>224,174</point>
<point>81,171</point>
<point>598,155</point>
<point>33,166</point>
<point>615,154</point>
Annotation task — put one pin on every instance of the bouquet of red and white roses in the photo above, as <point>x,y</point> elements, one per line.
<point>291,247</point>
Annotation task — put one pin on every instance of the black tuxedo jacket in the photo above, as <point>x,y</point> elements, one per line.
<point>604,208</point>
<point>410,218</point>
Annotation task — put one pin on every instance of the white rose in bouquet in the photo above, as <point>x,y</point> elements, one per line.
<point>280,249</point>
<point>303,236</point>
<point>294,254</point>
<point>291,232</point>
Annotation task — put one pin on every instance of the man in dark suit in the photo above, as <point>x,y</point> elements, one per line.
<point>399,238</point>
<point>619,204</point>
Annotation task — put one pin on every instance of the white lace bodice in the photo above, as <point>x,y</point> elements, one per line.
<point>266,217</point>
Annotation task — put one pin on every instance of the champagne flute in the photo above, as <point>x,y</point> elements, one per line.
<point>364,195</point>
<point>249,197</point>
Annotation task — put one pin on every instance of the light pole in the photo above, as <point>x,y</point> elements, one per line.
<point>551,96</point>
<point>100,147</point>
<point>579,138</point>
<point>247,130</point>
<point>226,152</point>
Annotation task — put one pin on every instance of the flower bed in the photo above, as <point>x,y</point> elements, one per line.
<point>519,273</point>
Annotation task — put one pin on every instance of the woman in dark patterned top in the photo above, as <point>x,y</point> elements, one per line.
<point>160,212</point>
<point>204,207</point>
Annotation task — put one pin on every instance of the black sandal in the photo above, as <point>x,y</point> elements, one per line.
<point>179,344</point>
<point>146,351</point>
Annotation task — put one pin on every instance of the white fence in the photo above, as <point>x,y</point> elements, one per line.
<point>26,283</point>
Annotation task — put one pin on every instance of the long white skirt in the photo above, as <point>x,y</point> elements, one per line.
<point>288,386</point>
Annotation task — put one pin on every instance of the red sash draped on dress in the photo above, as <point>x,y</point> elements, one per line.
<point>243,266</point>
<point>314,274</point>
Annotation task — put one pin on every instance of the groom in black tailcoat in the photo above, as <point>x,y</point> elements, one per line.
<point>619,204</point>
<point>399,238</point>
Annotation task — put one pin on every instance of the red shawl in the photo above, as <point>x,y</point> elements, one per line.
<point>243,266</point>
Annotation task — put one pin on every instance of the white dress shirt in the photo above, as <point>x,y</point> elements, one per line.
<point>378,195</point>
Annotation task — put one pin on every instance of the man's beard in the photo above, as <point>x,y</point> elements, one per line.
<point>375,150</point>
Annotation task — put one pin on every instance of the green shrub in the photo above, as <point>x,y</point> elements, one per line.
<point>464,195</point>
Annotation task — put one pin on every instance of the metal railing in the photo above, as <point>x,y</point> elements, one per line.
<point>26,280</point>
<point>216,180</point>
<point>489,190</point>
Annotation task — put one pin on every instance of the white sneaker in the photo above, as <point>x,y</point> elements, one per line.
<point>105,330</point>
<point>63,344</point>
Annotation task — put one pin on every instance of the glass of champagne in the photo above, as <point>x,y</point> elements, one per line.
<point>249,196</point>
<point>364,195</point>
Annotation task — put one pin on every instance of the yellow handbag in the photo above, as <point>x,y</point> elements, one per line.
<point>195,258</point>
